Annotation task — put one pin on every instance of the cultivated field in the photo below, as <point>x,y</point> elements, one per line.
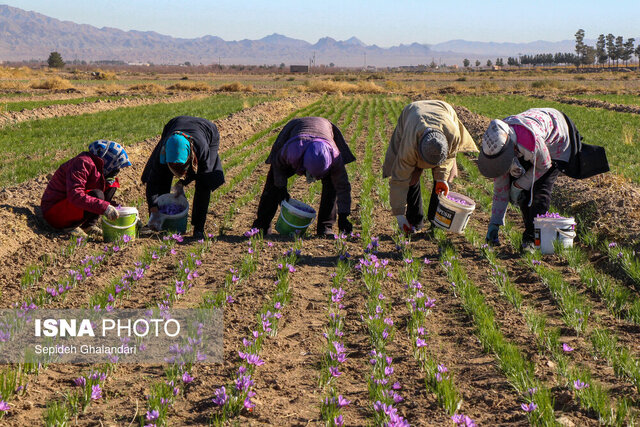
<point>364,329</point>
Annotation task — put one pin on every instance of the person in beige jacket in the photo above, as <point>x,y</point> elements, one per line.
<point>428,136</point>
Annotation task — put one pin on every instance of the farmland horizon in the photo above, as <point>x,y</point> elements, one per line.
<point>80,38</point>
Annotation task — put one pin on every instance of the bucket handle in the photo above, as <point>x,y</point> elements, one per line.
<point>570,234</point>
<point>122,227</point>
<point>291,225</point>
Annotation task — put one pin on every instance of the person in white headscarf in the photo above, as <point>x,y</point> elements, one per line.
<point>521,154</point>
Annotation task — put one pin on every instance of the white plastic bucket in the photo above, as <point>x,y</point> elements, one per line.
<point>548,230</point>
<point>453,216</point>
<point>176,222</point>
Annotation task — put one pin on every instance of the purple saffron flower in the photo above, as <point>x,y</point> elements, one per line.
<point>186,378</point>
<point>442,369</point>
<point>221,397</point>
<point>566,348</point>
<point>249,404</point>
<point>230,299</point>
<point>4,406</point>
<point>529,408</point>
<point>96,392</point>
<point>254,359</point>
<point>80,381</point>
<point>420,343</point>
<point>334,371</point>
<point>338,420</point>
<point>579,385</point>
<point>342,402</point>
<point>388,370</point>
<point>152,415</point>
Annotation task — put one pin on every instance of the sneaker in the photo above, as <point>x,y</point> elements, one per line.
<point>528,246</point>
<point>93,230</point>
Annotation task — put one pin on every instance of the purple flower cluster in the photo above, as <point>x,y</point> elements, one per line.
<point>252,232</point>
<point>372,247</point>
<point>551,215</point>
<point>463,420</point>
<point>457,200</point>
<point>171,209</point>
<point>418,300</point>
<point>395,420</point>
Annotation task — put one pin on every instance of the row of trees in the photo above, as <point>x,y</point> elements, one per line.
<point>608,48</point>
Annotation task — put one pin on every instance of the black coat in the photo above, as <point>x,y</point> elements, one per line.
<point>206,143</point>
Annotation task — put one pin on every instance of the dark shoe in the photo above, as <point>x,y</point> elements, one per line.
<point>198,235</point>
<point>326,233</point>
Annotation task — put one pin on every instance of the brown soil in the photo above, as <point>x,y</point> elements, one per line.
<point>287,384</point>
<point>593,103</point>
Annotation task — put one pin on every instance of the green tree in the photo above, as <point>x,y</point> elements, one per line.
<point>637,52</point>
<point>619,48</point>
<point>466,63</point>
<point>627,51</point>
<point>477,63</point>
<point>601,53</point>
<point>489,63</point>
<point>55,60</point>
<point>611,47</point>
<point>580,43</point>
<point>588,56</point>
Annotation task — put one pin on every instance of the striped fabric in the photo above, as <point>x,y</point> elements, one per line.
<point>113,154</point>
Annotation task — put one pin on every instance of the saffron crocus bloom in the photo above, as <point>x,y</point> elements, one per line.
<point>4,406</point>
<point>420,343</point>
<point>254,359</point>
<point>566,348</point>
<point>342,402</point>
<point>80,381</point>
<point>220,396</point>
<point>334,371</point>
<point>249,404</point>
<point>529,408</point>
<point>579,385</point>
<point>96,392</point>
<point>186,378</point>
<point>152,415</point>
<point>442,369</point>
<point>338,420</point>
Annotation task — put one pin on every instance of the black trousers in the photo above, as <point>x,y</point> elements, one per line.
<point>415,211</point>
<point>541,201</point>
<point>201,199</point>
<point>90,218</point>
<point>269,203</point>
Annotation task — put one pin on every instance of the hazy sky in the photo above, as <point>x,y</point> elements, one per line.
<point>382,22</point>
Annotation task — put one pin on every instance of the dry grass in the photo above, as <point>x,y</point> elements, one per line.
<point>236,87</point>
<point>52,83</point>
<point>329,86</point>
<point>190,87</point>
<point>152,88</point>
<point>15,73</point>
<point>13,85</point>
<point>628,134</point>
<point>104,75</point>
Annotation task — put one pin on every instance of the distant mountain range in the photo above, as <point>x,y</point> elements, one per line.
<point>28,35</point>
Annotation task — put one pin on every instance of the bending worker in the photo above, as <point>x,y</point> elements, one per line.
<point>428,136</point>
<point>188,150</point>
<point>83,188</point>
<point>312,147</point>
<point>520,154</point>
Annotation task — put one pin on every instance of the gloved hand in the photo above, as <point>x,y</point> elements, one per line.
<point>178,190</point>
<point>516,170</point>
<point>492,234</point>
<point>403,224</point>
<point>344,224</point>
<point>281,194</point>
<point>111,213</point>
<point>442,187</point>
<point>515,193</point>
<point>155,221</point>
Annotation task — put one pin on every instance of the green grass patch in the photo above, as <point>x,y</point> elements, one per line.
<point>610,129</point>
<point>31,148</point>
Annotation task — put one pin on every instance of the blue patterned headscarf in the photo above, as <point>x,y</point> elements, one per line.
<point>113,154</point>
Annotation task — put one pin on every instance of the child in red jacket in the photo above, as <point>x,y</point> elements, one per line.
<point>83,187</point>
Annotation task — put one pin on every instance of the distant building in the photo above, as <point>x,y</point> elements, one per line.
<point>298,68</point>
